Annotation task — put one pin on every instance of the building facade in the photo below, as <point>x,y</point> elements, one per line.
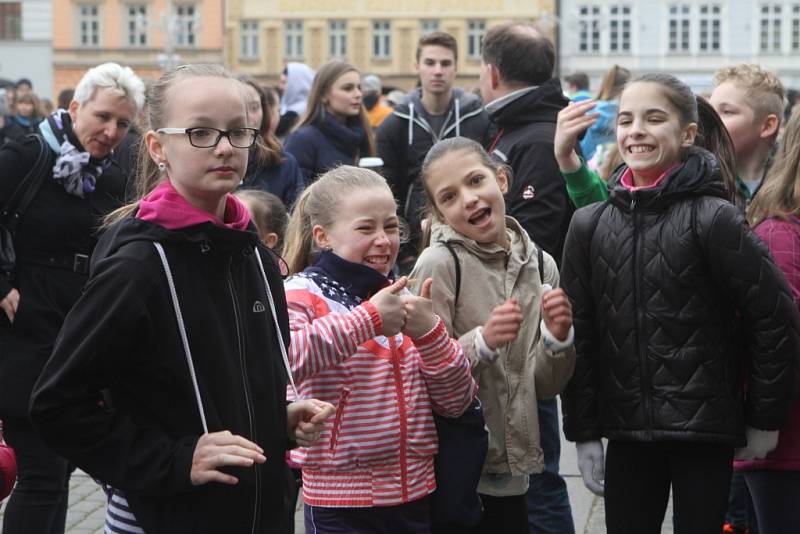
<point>25,43</point>
<point>147,35</point>
<point>687,38</point>
<point>377,36</point>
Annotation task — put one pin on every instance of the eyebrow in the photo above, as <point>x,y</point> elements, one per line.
<point>651,110</point>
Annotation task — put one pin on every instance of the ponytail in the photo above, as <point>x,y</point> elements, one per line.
<point>297,249</point>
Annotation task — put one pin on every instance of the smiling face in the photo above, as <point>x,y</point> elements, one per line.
<point>203,176</point>
<point>344,98</point>
<point>436,69</point>
<point>102,122</point>
<point>366,229</point>
<point>650,137</point>
<point>468,196</point>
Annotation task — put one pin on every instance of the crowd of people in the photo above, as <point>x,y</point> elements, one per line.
<point>217,294</point>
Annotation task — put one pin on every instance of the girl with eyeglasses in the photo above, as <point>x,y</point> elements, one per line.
<point>168,381</point>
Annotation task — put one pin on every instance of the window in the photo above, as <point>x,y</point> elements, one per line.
<point>428,26</point>
<point>337,36</point>
<point>381,39</point>
<point>710,22</point>
<point>186,25</point>
<point>249,47</point>
<point>589,33</point>
<point>10,21</point>
<point>619,22</point>
<point>476,30</point>
<point>771,27</point>
<point>137,25</point>
<point>795,45</point>
<point>293,33</point>
<point>89,25</point>
<point>679,27</point>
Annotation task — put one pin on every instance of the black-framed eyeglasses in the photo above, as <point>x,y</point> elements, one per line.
<point>205,137</point>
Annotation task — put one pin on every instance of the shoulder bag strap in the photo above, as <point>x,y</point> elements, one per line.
<point>27,189</point>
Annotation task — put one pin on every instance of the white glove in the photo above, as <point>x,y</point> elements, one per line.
<point>759,443</point>
<point>591,463</point>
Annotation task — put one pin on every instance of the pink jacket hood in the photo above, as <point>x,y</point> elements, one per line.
<point>166,207</point>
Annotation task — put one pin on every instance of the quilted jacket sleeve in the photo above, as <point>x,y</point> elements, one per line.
<point>579,398</point>
<point>743,268</point>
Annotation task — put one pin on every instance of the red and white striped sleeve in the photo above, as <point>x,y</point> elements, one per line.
<point>321,339</point>
<point>446,371</point>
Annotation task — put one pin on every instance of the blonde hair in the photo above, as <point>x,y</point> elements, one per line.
<point>613,83</point>
<point>319,204</point>
<point>780,194</point>
<point>157,111</point>
<point>763,90</point>
<point>324,79</point>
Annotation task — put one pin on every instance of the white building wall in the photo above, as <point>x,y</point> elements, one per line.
<point>740,34</point>
<point>32,56</point>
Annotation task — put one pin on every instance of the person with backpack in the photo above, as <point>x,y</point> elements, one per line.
<point>511,319</point>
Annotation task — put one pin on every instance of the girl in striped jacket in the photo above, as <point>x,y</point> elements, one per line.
<point>366,344</point>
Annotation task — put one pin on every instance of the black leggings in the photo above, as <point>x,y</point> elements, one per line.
<point>638,480</point>
<point>39,500</point>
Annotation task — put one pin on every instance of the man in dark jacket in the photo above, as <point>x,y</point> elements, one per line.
<point>523,100</point>
<point>434,111</point>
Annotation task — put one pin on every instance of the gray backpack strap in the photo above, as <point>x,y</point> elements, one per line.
<point>184,339</point>
<point>277,326</point>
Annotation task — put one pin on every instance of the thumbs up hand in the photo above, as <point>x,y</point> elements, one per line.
<point>391,307</point>
<point>420,318</point>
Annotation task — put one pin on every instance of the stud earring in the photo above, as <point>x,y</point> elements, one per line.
<point>162,167</point>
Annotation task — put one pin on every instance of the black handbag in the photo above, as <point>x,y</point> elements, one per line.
<point>17,204</point>
<point>463,443</point>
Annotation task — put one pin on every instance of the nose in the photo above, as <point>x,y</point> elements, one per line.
<point>111,130</point>
<point>224,146</point>
<point>469,197</point>
<point>382,239</point>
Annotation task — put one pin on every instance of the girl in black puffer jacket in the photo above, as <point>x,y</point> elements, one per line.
<point>656,275</point>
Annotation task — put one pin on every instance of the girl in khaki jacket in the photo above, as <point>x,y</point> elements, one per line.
<point>515,329</point>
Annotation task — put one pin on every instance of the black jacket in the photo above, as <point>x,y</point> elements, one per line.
<point>403,149</point>
<point>670,288</point>
<point>122,337</point>
<point>53,241</point>
<point>325,144</point>
<point>522,137</point>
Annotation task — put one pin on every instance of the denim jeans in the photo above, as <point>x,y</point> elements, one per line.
<point>549,511</point>
<point>39,500</point>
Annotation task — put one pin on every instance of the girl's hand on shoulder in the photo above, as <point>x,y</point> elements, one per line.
<point>503,324</point>
<point>557,313</point>
<point>218,449</point>
<point>391,307</point>
<point>305,420</point>
<point>572,120</point>
<point>10,303</point>
<point>420,318</point>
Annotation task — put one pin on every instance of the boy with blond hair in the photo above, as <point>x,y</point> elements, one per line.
<point>750,102</point>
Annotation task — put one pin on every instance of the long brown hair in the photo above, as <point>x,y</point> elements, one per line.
<point>268,146</point>
<point>780,195</point>
<point>319,205</point>
<point>324,79</point>
<point>157,111</point>
<point>613,83</point>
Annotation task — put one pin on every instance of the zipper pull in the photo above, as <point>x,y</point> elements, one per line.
<point>633,201</point>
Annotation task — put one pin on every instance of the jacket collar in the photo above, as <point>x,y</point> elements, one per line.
<point>520,242</point>
<point>539,105</point>
<point>500,103</point>
<point>358,280</point>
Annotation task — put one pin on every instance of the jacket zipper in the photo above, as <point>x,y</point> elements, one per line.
<point>401,402</point>
<point>637,270</point>
<point>337,419</point>
<point>246,388</point>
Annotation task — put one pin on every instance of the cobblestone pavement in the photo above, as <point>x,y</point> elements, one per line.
<point>87,503</point>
